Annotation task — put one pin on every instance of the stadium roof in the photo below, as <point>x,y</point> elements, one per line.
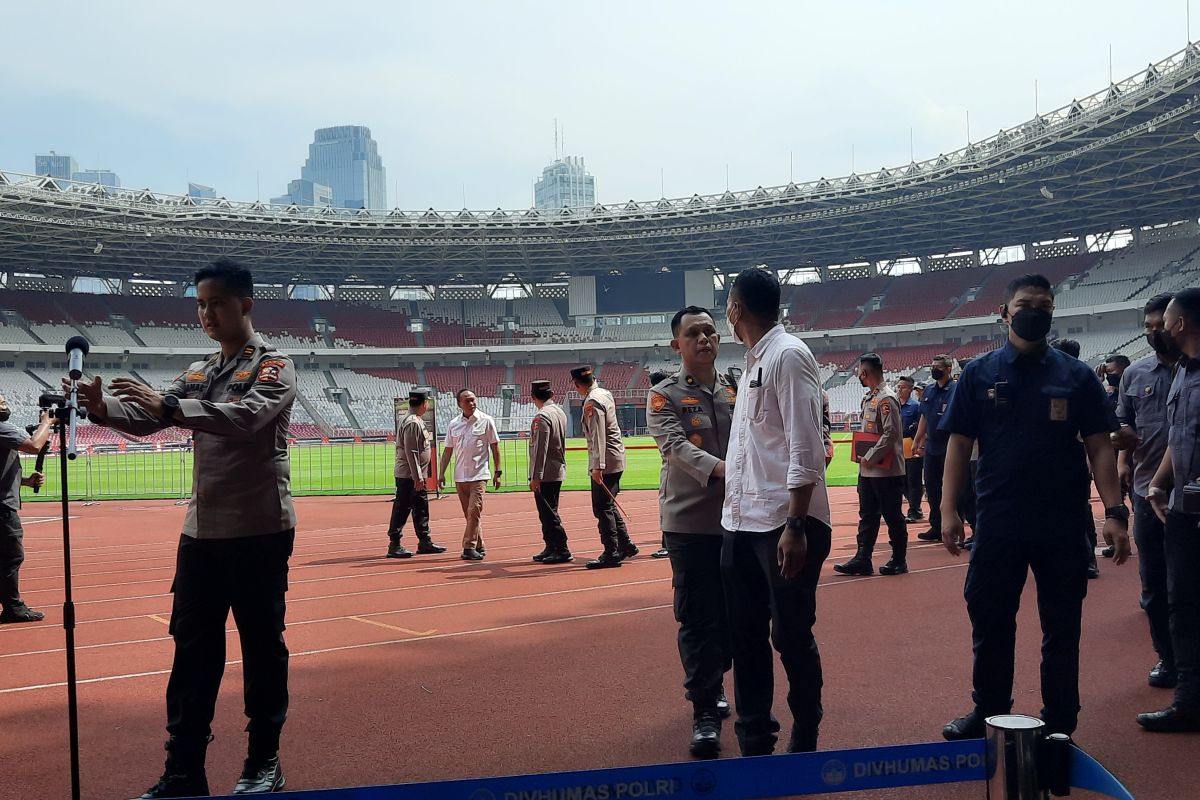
<point>1126,156</point>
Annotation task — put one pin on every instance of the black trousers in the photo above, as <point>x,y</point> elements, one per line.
<point>1183,590</point>
<point>765,610</point>
<point>1149,533</point>
<point>212,577</point>
<point>410,499</point>
<point>915,486</point>
<point>1002,557</point>
<point>613,533</point>
<point>882,498</point>
<point>704,645</point>
<point>935,468</point>
<point>553,533</point>
<point>12,556</point>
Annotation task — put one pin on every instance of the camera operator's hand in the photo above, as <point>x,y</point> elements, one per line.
<point>91,396</point>
<point>44,417</point>
<point>35,481</point>
<point>130,391</point>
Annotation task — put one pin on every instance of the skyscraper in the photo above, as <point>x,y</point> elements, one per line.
<point>198,191</point>
<point>565,183</point>
<point>55,166</point>
<point>104,177</point>
<point>346,159</point>
<point>305,193</point>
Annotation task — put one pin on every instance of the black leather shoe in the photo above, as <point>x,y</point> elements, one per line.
<point>426,548</point>
<point>471,554</point>
<point>706,734</point>
<point>628,550</point>
<point>914,516</point>
<point>1108,552</point>
<point>481,551</point>
<point>563,557</point>
<point>21,613</point>
<point>894,567</point>
<point>260,777</point>
<point>399,551</point>
<point>1093,570</point>
<point>1171,719</point>
<point>193,784</point>
<point>662,552</point>
<point>969,726</point>
<point>540,557</point>
<point>605,561</point>
<point>855,566</point>
<point>967,543</point>
<point>723,706</point>
<point>1162,676</point>
<point>930,536</point>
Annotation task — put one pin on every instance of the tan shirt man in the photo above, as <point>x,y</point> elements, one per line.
<point>238,413</point>
<point>412,449</point>
<point>690,422</point>
<point>881,415</point>
<point>606,449</point>
<point>548,444</point>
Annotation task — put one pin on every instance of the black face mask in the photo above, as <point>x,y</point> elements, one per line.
<point>1113,380</point>
<point>1031,324</point>
<point>1163,343</point>
<point>5,414</point>
<point>937,374</point>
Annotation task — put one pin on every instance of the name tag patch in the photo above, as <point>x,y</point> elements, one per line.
<point>1059,409</point>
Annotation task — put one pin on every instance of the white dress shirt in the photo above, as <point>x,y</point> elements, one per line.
<point>472,438</point>
<point>775,443</point>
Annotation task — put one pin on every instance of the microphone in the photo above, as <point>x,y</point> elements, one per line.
<point>77,348</point>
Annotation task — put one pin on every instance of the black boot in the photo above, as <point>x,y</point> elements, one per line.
<point>896,566</point>
<point>559,557</point>
<point>427,547</point>
<point>183,775</point>
<point>706,734</point>
<point>261,774</point>
<point>605,561</point>
<point>859,565</point>
<point>395,549</point>
<point>627,550</point>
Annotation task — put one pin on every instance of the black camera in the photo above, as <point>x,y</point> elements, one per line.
<point>47,400</point>
<point>1189,497</point>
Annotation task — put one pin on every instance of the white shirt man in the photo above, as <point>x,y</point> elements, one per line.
<point>469,438</point>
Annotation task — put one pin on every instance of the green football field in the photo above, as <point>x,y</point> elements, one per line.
<point>344,469</point>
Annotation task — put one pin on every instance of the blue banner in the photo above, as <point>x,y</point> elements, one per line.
<point>1088,773</point>
<point>721,779</point>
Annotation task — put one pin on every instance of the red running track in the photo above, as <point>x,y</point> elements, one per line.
<point>434,668</point>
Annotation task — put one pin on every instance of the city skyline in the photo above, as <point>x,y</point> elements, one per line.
<point>462,102</point>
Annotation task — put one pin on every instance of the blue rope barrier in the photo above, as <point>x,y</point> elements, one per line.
<point>722,779</point>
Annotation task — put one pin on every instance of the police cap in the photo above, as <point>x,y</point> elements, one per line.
<point>583,373</point>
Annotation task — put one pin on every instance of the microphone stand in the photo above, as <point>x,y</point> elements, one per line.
<point>67,416</point>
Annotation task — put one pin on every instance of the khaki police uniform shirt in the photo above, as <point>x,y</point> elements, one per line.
<point>238,414</point>
<point>548,444</point>
<point>606,450</point>
<point>881,415</point>
<point>690,422</point>
<point>412,449</point>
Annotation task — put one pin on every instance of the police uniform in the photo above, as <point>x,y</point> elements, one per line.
<point>413,451</point>
<point>237,538</point>
<point>548,464</point>
<point>12,550</point>
<point>1029,414</point>
<point>1142,406</point>
<point>606,452</point>
<point>880,485</point>
<point>935,400</point>
<point>910,413</point>
<point>690,422</point>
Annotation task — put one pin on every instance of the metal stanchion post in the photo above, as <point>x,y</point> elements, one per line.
<point>1013,742</point>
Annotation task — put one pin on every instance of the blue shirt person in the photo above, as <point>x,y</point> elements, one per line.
<point>1039,417</point>
<point>929,441</point>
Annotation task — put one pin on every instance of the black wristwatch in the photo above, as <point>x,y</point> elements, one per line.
<point>1119,513</point>
<point>795,523</point>
<point>170,406</point>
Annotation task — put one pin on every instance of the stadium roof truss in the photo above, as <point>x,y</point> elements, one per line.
<point>1124,157</point>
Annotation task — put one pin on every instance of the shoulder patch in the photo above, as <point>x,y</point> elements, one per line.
<point>589,408</point>
<point>269,370</point>
<point>657,401</point>
<point>536,424</point>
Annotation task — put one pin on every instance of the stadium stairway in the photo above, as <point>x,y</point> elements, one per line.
<point>317,417</point>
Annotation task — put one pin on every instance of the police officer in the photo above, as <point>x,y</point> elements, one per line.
<point>13,441</point>
<point>1110,372</point>
<point>1142,412</point>
<point>1175,494</point>
<point>1029,406</point>
<point>910,414</point>
<point>238,532</point>
<point>412,469</point>
<point>606,462</point>
<point>657,377</point>
<point>880,475</point>
<point>689,415</point>
<point>548,470</point>
<point>1087,521</point>
<point>929,442</point>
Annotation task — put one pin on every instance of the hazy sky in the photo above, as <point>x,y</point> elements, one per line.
<point>465,93</point>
